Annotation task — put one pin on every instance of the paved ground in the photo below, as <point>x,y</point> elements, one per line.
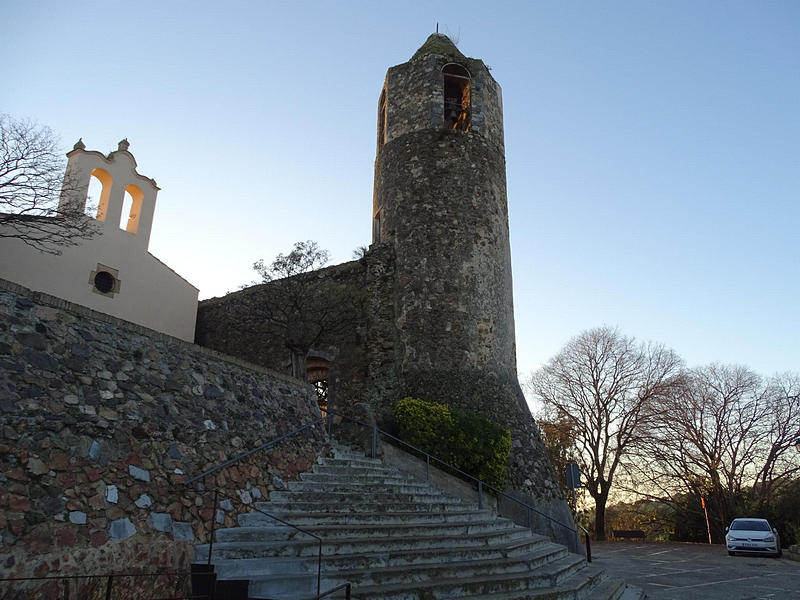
<point>671,571</point>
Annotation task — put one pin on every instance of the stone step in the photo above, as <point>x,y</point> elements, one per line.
<point>630,592</point>
<point>406,506</point>
<point>333,531</point>
<point>457,587</point>
<point>347,453</point>
<point>381,496</point>
<point>581,585</point>
<point>304,545</point>
<point>608,589</point>
<point>557,571</point>
<point>302,519</point>
<point>352,463</point>
<point>395,538</point>
<point>339,486</point>
<point>298,546</point>
<point>436,571</point>
<point>348,469</point>
<point>378,479</point>
<point>278,570</point>
<point>540,550</point>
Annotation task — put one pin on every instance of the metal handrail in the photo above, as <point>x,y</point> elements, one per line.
<point>587,537</point>
<point>258,510</point>
<point>264,446</point>
<point>481,485</point>
<point>242,456</point>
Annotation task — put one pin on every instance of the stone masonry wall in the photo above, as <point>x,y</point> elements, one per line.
<point>103,421</point>
<point>237,324</point>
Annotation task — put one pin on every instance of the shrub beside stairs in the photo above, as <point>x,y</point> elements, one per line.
<point>395,538</point>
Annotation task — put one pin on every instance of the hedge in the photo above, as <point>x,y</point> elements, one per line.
<point>467,441</point>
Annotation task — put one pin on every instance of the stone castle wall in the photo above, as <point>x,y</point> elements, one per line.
<point>103,421</point>
<point>442,196</point>
<point>238,325</point>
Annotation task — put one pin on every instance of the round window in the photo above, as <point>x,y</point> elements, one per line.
<point>104,282</point>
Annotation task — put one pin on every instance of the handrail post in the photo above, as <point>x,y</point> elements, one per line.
<point>108,586</point>
<point>529,517</point>
<point>374,441</point>
<point>319,565</point>
<point>213,522</point>
<point>347,592</point>
<point>480,494</point>
<point>588,546</point>
<point>427,467</point>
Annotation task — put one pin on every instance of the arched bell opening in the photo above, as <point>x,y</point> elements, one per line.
<point>457,104</point>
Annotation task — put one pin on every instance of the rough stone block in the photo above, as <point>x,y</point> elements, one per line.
<point>78,517</point>
<point>182,532</point>
<point>112,494</point>
<point>121,529</point>
<point>160,522</point>
<point>37,467</point>
<point>94,451</point>
<point>143,501</point>
<point>138,473</point>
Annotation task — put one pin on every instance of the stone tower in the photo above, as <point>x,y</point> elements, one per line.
<point>440,213</point>
<point>440,201</point>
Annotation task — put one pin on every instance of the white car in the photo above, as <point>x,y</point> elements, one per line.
<point>752,535</point>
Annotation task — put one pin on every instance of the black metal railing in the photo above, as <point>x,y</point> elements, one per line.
<point>198,479</point>
<point>219,494</point>
<point>481,486</point>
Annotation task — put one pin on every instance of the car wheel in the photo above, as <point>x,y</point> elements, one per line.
<point>731,553</point>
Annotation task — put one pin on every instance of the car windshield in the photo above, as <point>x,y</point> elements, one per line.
<point>749,525</point>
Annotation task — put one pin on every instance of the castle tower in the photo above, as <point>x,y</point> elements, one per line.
<point>440,201</point>
<point>440,218</point>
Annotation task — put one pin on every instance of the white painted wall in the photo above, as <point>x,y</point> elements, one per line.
<point>150,293</point>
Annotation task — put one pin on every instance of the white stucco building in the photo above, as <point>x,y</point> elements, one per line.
<point>112,271</point>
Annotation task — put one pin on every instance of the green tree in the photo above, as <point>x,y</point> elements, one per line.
<point>305,305</point>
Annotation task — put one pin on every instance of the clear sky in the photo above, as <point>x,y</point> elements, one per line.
<point>653,148</point>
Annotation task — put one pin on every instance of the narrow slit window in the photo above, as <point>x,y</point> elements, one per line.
<point>382,119</point>
<point>457,108</point>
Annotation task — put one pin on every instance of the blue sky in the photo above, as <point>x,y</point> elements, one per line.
<point>653,148</point>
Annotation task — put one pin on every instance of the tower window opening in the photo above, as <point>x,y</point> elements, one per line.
<point>382,119</point>
<point>457,108</point>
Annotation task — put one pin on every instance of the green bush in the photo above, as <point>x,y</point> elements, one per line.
<point>469,442</point>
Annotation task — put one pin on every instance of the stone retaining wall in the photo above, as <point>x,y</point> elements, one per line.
<point>103,421</point>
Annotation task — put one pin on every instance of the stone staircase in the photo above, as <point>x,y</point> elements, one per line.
<point>395,538</point>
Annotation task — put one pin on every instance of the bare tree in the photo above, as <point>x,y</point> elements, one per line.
<point>32,178</point>
<point>304,304</point>
<point>780,463</point>
<point>727,437</point>
<point>605,386</point>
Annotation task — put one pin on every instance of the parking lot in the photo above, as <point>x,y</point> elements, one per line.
<point>672,571</point>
